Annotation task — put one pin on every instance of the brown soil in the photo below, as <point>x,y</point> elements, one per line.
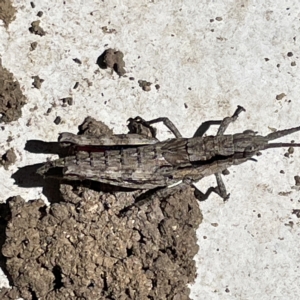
<point>113,59</point>
<point>83,249</point>
<point>7,12</point>
<point>8,158</point>
<point>11,97</point>
<point>36,28</point>
<point>145,85</point>
<point>37,82</point>
<point>92,127</point>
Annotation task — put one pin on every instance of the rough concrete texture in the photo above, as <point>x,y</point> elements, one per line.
<point>81,249</point>
<point>207,59</point>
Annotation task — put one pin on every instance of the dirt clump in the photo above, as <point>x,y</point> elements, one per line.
<point>82,248</point>
<point>36,28</point>
<point>33,46</point>
<point>145,85</point>
<point>11,97</point>
<point>280,96</point>
<point>37,82</point>
<point>67,101</point>
<point>92,127</point>
<point>7,12</point>
<point>113,59</point>
<point>106,30</point>
<point>57,120</point>
<point>8,158</point>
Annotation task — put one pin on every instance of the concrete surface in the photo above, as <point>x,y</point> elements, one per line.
<point>207,57</point>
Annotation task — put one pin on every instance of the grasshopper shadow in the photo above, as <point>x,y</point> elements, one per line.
<point>27,177</point>
<point>37,146</point>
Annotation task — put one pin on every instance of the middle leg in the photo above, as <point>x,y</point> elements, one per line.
<point>223,123</point>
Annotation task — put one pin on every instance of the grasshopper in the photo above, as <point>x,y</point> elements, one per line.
<point>138,160</point>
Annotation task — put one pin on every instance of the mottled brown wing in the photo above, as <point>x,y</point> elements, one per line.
<point>106,140</point>
<point>137,168</point>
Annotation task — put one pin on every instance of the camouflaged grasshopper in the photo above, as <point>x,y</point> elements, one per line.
<point>139,161</point>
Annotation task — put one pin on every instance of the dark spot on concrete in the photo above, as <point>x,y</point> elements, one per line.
<point>57,120</point>
<point>8,158</point>
<point>33,46</point>
<point>33,108</point>
<point>109,31</point>
<point>291,150</point>
<point>145,85</point>
<point>280,96</point>
<point>67,101</point>
<point>37,82</point>
<point>296,212</point>
<point>78,61</point>
<point>113,59</point>
<point>36,28</point>
<point>226,172</point>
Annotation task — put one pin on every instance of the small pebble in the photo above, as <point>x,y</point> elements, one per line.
<point>57,120</point>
